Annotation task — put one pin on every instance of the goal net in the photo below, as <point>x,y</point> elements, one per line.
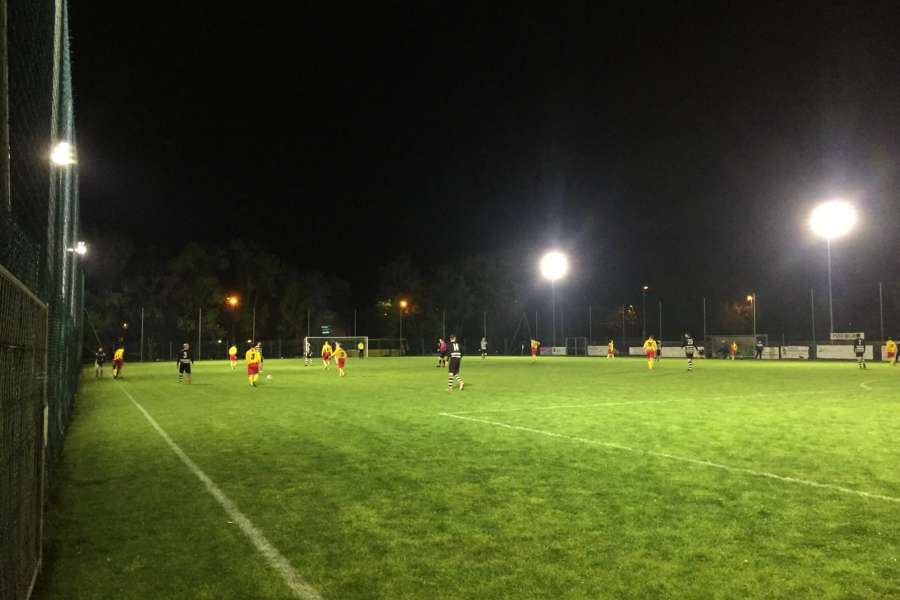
<point>716,345</point>
<point>348,343</point>
<point>576,346</point>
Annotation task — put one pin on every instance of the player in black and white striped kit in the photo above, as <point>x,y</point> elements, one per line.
<point>455,358</point>
<point>687,343</point>
<point>859,348</point>
<point>307,352</point>
<point>185,360</point>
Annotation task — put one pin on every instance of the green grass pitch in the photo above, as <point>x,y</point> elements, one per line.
<point>568,478</point>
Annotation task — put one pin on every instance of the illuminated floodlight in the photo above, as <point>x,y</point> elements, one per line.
<point>404,304</point>
<point>833,219</point>
<point>63,154</point>
<point>646,287</point>
<point>750,298</point>
<point>554,265</point>
<point>232,301</point>
<point>80,249</point>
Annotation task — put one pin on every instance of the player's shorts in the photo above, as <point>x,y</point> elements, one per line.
<point>253,369</point>
<point>326,356</point>
<point>184,367</point>
<point>117,363</point>
<point>689,354</point>
<point>232,357</point>
<point>860,354</point>
<point>454,365</point>
<point>99,363</point>
<point>890,354</point>
<point>533,352</point>
<point>341,362</point>
<point>650,353</point>
<point>444,355</point>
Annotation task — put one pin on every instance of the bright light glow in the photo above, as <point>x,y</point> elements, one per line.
<point>554,265</point>
<point>81,248</point>
<point>232,301</point>
<point>63,154</point>
<point>124,325</point>
<point>404,304</point>
<point>646,287</point>
<point>833,219</point>
<point>749,297</point>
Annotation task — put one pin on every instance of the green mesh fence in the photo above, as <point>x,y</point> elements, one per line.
<point>41,283</point>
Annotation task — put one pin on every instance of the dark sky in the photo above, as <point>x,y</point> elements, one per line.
<point>679,148</point>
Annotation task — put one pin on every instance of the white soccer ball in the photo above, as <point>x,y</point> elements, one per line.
<point>269,377</point>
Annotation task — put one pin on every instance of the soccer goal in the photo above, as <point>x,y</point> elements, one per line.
<point>576,346</point>
<point>348,343</point>
<point>716,345</point>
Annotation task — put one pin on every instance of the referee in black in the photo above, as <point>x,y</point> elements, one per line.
<point>455,358</point>
<point>184,361</point>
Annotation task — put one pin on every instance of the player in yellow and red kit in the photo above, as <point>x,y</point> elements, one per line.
<point>890,348</point>
<point>535,344</point>
<point>232,356</point>
<point>326,353</point>
<point>610,350</point>
<point>650,348</point>
<point>118,361</point>
<point>340,357</point>
<point>732,349</point>
<point>252,359</point>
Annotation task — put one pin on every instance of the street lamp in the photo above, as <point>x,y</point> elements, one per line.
<point>644,311</point>
<point>232,303</point>
<point>554,265</point>
<point>403,304</point>
<point>831,220</point>
<point>751,298</point>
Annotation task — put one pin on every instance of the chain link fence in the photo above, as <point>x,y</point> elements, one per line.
<point>41,283</point>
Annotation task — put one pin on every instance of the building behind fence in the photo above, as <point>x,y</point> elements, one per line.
<point>41,282</point>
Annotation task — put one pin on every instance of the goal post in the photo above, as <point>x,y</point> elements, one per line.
<point>348,343</point>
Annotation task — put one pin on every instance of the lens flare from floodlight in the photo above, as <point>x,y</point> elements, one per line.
<point>832,219</point>
<point>404,304</point>
<point>81,248</point>
<point>63,154</point>
<point>554,265</point>
<point>232,301</point>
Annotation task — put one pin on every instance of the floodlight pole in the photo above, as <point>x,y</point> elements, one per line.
<point>142,334</point>
<point>485,325</point>
<point>354,322</point>
<point>881,309</point>
<point>444,324</point>
<point>644,312</point>
<point>830,300</point>
<point>753,300</point>
<point>660,321</point>
<point>812,314</point>
<point>199,331</point>
<point>553,308</point>
<point>704,320</point>
<point>590,330</point>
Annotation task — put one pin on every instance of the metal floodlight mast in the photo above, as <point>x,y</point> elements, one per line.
<point>554,265</point>
<point>832,220</point>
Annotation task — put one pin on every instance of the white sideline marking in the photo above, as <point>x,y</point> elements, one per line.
<point>275,559</point>
<point>865,385</point>
<point>693,461</point>
<point>558,406</point>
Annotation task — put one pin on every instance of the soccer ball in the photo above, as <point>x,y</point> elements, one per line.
<point>269,377</point>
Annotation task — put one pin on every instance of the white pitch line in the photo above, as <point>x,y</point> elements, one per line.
<point>693,461</point>
<point>276,559</point>
<point>865,385</point>
<point>598,404</point>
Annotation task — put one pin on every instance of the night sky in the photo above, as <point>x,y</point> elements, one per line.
<point>683,149</point>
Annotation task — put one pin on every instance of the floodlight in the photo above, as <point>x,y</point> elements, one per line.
<point>79,249</point>
<point>554,265</point>
<point>63,154</point>
<point>749,297</point>
<point>832,219</point>
<point>404,304</point>
<point>232,301</point>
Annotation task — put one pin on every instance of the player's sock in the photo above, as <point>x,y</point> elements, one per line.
<point>250,379</point>
<point>449,382</point>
